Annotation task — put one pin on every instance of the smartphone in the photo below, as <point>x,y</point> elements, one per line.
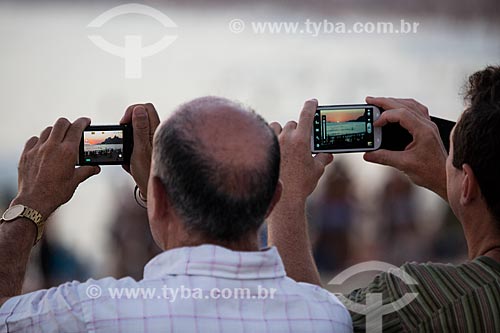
<point>106,145</point>
<point>345,129</point>
<point>396,138</point>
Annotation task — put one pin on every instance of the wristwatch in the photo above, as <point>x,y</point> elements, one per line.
<point>19,211</point>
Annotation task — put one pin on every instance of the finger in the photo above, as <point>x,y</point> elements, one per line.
<point>140,124</point>
<point>385,157</point>
<point>413,104</point>
<point>385,103</point>
<point>276,127</point>
<point>45,135</point>
<point>291,125</point>
<point>324,158</point>
<point>127,117</point>
<point>154,119</point>
<point>74,133</point>
<point>402,116</point>
<point>59,131</point>
<point>30,144</point>
<point>307,116</point>
<point>85,172</point>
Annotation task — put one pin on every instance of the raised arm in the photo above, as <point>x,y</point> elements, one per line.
<point>299,173</point>
<point>47,179</point>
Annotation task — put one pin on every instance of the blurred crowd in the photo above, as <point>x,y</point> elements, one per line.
<point>346,227</point>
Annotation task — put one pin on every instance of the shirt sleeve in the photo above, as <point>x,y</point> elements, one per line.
<point>379,286</point>
<point>53,310</point>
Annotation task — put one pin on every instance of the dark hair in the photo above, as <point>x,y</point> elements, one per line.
<point>476,138</point>
<point>219,201</point>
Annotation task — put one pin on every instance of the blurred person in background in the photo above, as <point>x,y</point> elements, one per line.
<point>332,213</point>
<point>450,298</point>
<point>132,244</point>
<point>57,263</point>
<point>397,228</point>
<point>208,192</point>
<point>449,243</point>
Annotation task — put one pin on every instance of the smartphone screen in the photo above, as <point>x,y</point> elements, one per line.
<point>101,145</point>
<point>346,128</point>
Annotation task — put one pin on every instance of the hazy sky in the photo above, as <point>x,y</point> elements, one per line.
<point>94,138</point>
<point>334,116</point>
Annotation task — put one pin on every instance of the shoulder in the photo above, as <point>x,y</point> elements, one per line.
<point>462,277</point>
<point>326,301</point>
<point>62,306</point>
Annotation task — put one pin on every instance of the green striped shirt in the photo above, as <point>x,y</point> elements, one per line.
<point>451,298</point>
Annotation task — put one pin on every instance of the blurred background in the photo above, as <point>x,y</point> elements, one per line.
<point>50,68</point>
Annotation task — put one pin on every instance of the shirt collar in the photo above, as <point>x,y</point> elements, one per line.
<point>217,261</point>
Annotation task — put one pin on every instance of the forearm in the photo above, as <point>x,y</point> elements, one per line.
<point>288,231</point>
<point>440,183</point>
<point>16,241</point>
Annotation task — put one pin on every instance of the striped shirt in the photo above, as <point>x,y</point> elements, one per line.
<point>451,298</point>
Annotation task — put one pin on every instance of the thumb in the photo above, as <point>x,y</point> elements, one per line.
<point>85,172</point>
<point>385,157</point>
<point>140,125</point>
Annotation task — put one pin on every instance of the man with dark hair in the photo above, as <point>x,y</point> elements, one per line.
<point>450,298</point>
<point>214,179</point>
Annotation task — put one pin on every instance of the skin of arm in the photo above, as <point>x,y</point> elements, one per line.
<point>47,179</point>
<point>299,173</point>
<point>423,161</point>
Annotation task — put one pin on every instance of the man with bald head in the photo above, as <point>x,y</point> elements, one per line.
<point>217,164</point>
<point>209,176</point>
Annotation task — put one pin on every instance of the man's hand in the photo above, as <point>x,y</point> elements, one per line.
<point>424,159</point>
<point>47,174</point>
<point>299,173</point>
<point>145,120</point>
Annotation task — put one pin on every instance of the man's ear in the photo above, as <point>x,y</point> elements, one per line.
<point>158,204</point>
<point>470,187</point>
<point>276,197</point>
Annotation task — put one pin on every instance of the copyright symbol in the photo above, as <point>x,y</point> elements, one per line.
<point>236,26</point>
<point>93,291</point>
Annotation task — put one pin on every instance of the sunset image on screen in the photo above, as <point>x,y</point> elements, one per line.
<point>344,129</point>
<point>340,116</point>
<point>100,137</point>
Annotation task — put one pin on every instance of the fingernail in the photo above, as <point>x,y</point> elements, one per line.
<point>140,111</point>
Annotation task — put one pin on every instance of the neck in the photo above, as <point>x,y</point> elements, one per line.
<point>249,242</point>
<point>482,234</point>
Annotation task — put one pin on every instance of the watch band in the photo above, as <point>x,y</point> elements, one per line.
<point>36,217</point>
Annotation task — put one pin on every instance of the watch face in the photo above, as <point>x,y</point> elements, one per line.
<point>13,212</point>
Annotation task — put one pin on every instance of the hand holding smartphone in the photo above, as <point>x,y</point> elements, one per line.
<point>106,145</point>
<point>349,128</point>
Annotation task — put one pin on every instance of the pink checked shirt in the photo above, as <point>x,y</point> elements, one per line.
<point>191,289</point>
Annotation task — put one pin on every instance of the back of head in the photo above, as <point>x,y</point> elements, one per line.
<point>476,137</point>
<point>219,164</point>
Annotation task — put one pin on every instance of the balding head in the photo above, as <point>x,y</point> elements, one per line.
<point>219,163</point>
